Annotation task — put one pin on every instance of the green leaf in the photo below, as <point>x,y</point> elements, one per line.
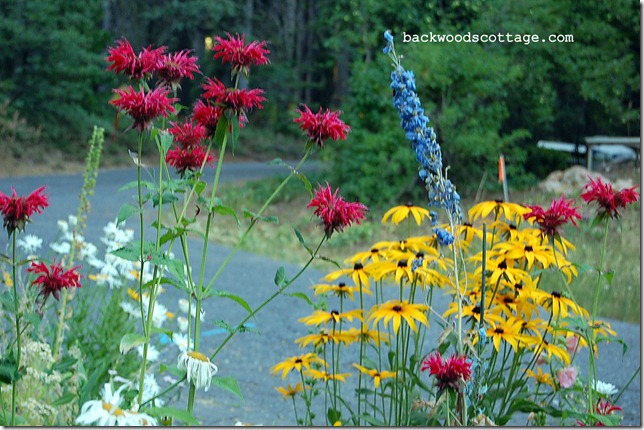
<point>227,383</point>
<point>300,238</point>
<point>333,415</point>
<point>64,364</point>
<point>280,277</point>
<point>609,276</point>
<point>34,318</point>
<point>6,298</point>
<point>177,414</point>
<point>226,210</point>
<point>164,141</point>
<point>64,399</point>
<point>131,340</point>
<point>231,296</point>
<point>126,211</point>
<point>307,183</point>
<point>8,370</point>
<point>221,130</point>
<point>199,187</point>
<point>278,162</point>
<point>168,197</point>
<point>302,296</point>
<point>235,134</point>
<point>179,373</point>
<point>253,216</point>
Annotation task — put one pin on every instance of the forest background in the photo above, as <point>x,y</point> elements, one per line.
<point>483,99</point>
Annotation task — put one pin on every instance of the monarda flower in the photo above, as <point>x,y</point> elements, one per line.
<point>236,101</point>
<point>189,158</point>
<point>144,106</point>
<point>188,133</point>
<point>448,372</point>
<point>207,115</point>
<point>171,68</point>
<point>321,126</point>
<point>552,219</point>
<point>609,200</point>
<point>334,212</point>
<point>123,60</point>
<point>53,278</point>
<point>17,210</point>
<point>240,56</point>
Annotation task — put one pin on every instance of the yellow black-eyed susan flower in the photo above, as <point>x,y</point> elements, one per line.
<point>511,211</point>
<point>290,391</point>
<point>358,274</point>
<point>401,213</point>
<point>319,317</point>
<point>552,349</point>
<point>375,374</point>
<point>508,331</point>
<point>396,310</point>
<point>326,376</point>
<point>340,290</point>
<point>297,362</point>
<point>369,336</point>
<point>541,378</point>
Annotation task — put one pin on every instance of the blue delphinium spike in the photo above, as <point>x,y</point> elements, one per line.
<point>440,190</point>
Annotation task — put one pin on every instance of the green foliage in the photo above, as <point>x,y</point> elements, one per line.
<point>51,65</point>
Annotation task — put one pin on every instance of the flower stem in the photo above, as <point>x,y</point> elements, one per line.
<point>269,299</point>
<point>254,221</point>
<point>601,268</point>
<point>16,305</point>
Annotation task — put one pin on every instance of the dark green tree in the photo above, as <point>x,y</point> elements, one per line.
<point>52,67</point>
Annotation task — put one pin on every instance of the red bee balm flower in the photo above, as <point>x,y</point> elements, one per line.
<point>241,56</point>
<point>335,213</point>
<point>207,115</point>
<point>52,279</point>
<point>237,100</point>
<point>172,67</point>
<point>124,60</point>
<point>17,211</point>
<point>448,372</point>
<point>188,133</point>
<point>550,220</point>
<point>608,199</point>
<point>144,107</point>
<point>322,126</point>
<point>188,158</point>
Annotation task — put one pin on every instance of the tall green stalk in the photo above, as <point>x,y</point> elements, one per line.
<point>16,305</point>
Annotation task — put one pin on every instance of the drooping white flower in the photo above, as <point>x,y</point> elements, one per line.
<point>29,243</point>
<point>604,388</point>
<point>107,411</point>
<point>198,367</point>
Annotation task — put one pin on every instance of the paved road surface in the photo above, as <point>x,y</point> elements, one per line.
<point>249,356</point>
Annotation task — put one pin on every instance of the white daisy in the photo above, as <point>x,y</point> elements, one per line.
<point>107,411</point>
<point>182,322</point>
<point>605,388</point>
<point>153,352</point>
<point>198,367</point>
<point>181,341</point>
<point>29,243</point>
<point>151,388</point>
<point>184,306</point>
<point>130,309</point>
<point>61,248</point>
